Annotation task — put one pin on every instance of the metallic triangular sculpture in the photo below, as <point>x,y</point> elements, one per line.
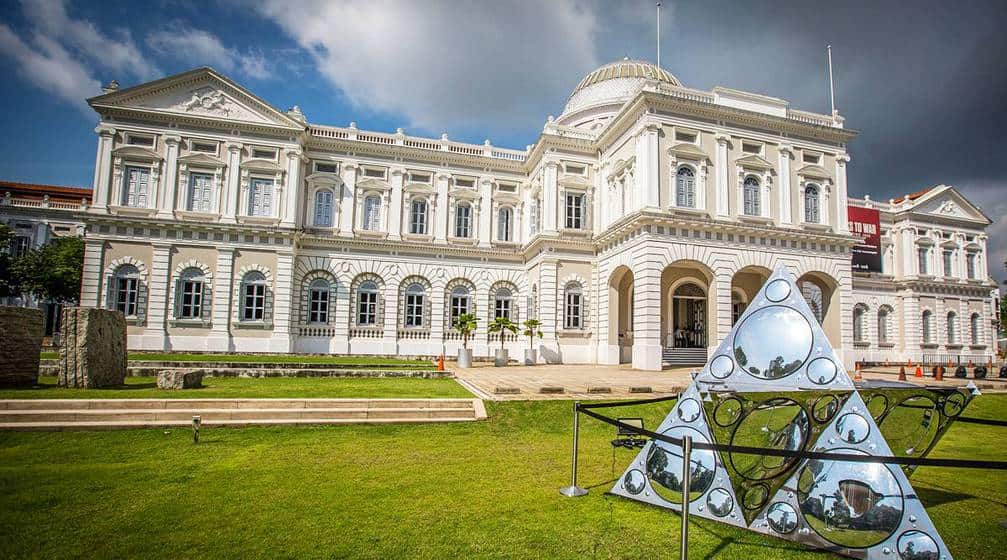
<point>776,382</point>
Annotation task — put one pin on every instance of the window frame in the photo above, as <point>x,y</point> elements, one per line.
<point>127,291</point>
<point>574,216</point>
<point>193,282</point>
<point>573,306</point>
<point>366,312</point>
<point>414,301</point>
<point>419,212</point>
<point>463,225</point>
<point>205,204</point>
<point>265,206</point>
<point>812,203</point>
<point>685,187</point>
<point>128,192</point>
<point>324,210</point>
<point>505,225</point>
<point>319,292</point>
<point>371,221</point>
<point>751,194</point>
<point>253,297</point>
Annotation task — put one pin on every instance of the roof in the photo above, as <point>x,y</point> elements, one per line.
<point>615,82</point>
<point>912,196</point>
<point>35,190</point>
<point>627,68</point>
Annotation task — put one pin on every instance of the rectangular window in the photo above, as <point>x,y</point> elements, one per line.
<point>459,306</point>
<point>751,148</point>
<point>19,245</point>
<point>263,153</point>
<point>921,262</point>
<point>685,136</point>
<point>572,319</point>
<point>135,187</point>
<point>255,302</point>
<point>414,310</point>
<point>418,217</point>
<point>465,183</point>
<point>135,140</point>
<point>203,147</point>
<point>812,158</point>
<point>326,167</point>
<point>948,268</point>
<point>318,311</point>
<point>374,172</point>
<point>419,178</point>
<point>463,221</point>
<point>367,308</point>
<point>372,213</point>
<point>200,192</point>
<point>576,169</point>
<point>971,262</point>
<point>507,187</point>
<point>126,296</point>
<point>502,308</point>
<point>260,197</point>
<point>192,300</point>
<point>323,208</point>
<point>574,211</point>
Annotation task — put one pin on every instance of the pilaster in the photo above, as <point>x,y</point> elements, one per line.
<point>103,169</point>
<point>90,285</point>
<point>346,204</point>
<point>550,195</point>
<point>842,218</point>
<point>786,214</point>
<point>646,313</point>
<point>648,175</point>
<point>231,192</point>
<point>282,304</point>
<point>395,213</point>
<point>441,211</point>
<point>219,339</point>
<point>486,212</point>
<point>157,300</point>
<point>166,195</point>
<point>292,190</point>
<point>723,202</point>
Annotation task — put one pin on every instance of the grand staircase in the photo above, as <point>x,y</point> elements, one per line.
<point>112,414</point>
<point>675,357</point>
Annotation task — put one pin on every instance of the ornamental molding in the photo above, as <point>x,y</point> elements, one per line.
<point>268,274</point>
<point>137,263</point>
<point>136,153</point>
<point>687,150</point>
<point>814,171</point>
<point>204,160</point>
<point>193,263</point>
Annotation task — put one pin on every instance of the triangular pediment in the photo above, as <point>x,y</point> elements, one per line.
<point>754,161</point>
<point>687,150</point>
<point>814,171</point>
<point>201,159</point>
<point>136,152</point>
<point>947,202</point>
<point>202,93</point>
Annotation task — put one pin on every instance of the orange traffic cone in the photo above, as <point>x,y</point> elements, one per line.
<point>919,371</point>
<point>909,363</point>
<point>940,374</point>
<point>902,373</point>
<point>856,373</point>
<point>440,363</point>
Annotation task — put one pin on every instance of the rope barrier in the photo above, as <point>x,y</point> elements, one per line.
<point>629,403</point>
<point>983,421</point>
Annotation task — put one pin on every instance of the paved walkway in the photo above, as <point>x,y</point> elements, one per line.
<point>587,381</point>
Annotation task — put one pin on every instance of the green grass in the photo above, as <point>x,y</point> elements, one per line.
<point>268,387</point>
<point>271,358</point>
<point>473,490</point>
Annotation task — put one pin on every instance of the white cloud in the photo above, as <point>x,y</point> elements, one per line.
<point>203,47</point>
<point>447,65</point>
<point>51,68</point>
<point>990,197</point>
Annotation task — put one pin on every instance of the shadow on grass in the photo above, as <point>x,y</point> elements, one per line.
<point>932,495</point>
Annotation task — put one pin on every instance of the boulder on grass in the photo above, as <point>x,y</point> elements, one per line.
<point>93,353</point>
<point>180,379</point>
<point>20,345</point>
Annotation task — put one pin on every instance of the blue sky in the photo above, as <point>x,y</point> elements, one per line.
<point>923,82</point>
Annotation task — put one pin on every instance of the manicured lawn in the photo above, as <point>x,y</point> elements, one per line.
<point>268,387</point>
<point>473,490</point>
<point>272,358</point>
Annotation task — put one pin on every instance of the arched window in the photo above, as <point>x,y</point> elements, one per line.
<point>318,301</point>
<point>750,191</point>
<point>685,188</point>
<point>974,329</point>
<point>415,295</point>
<point>323,208</point>
<point>573,306</point>
<point>253,297</point>
<point>372,213</point>
<point>928,327</point>
<point>952,327</point>
<point>367,304</point>
<point>126,290</point>
<point>461,299</point>
<point>859,323</point>
<point>812,205</point>
<point>883,313</point>
<point>504,224</point>
<point>502,303</point>
<point>463,220</point>
<point>189,299</point>
<point>418,216</point>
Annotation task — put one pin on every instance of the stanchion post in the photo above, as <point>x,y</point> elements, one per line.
<point>686,460</point>
<point>573,490</point>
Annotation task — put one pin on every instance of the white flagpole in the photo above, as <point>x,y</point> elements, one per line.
<point>832,90</point>
<point>658,34</point>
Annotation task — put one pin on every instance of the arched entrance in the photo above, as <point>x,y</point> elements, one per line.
<point>821,291</point>
<point>687,313</point>
<point>745,285</point>
<point>620,313</point>
<point>688,317</point>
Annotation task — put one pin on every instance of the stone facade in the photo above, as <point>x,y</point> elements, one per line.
<point>93,352</point>
<point>20,345</point>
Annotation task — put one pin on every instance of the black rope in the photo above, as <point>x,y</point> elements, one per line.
<point>628,403</point>
<point>983,421</point>
<point>919,461</point>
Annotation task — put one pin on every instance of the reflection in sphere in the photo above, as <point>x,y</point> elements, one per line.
<point>774,424</point>
<point>721,366</point>
<point>756,496</point>
<point>856,505</point>
<point>688,410</point>
<point>954,404</point>
<point>727,412</point>
<point>777,290</point>
<point>634,481</point>
<point>825,408</point>
<point>917,545</point>
<point>664,466</point>
<point>720,502</point>
<point>877,405</point>
<point>773,342</point>
<point>782,517</point>
<point>911,426</point>
<point>853,428</point>
<point>822,371</point>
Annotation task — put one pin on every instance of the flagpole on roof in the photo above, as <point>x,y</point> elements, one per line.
<point>658,34</point>
<point>832,90</point>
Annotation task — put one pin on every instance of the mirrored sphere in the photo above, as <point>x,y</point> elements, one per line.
<point>688,410</point>
<point>774,424</point>
<point>853,428</point>
<point>825,408</point>
<point>822,371</point>
<point>777,290</point>
<point>911,426</point>
<point>634,481</point>
<point>855,505</point>
<point>782,517</point>
<point>664,466</point>
<point>721,366</point>
<point>727,412</point>
<point>917,545</point>
<point>720,502</point>
<point>756,496</point>
<point>773,342</point>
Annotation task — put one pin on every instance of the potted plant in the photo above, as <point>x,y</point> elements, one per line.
<point>499,325</point>
<point>531,330</point>
<point>465,324</point>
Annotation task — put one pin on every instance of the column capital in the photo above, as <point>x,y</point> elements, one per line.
<point>842,159</point>
<point>104,130</point>
<point>234,147</point>
<point>722,138</point>
<point>172,140</point>
<point>786,149</point>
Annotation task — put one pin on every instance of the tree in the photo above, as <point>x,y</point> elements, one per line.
<point>501,324</point>
<point>53,272</point>
<point>465,324</point>
<point>10,285</point>
<point>531,330</point>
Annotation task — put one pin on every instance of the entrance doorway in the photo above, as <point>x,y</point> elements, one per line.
<point>688,317</point>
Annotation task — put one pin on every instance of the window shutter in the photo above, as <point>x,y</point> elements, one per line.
<point>333,287</point>
<point>206,308</point>
<point>267,306</point>
<point>110,292</point>
<point>141,302</point>
<point>179,282</point>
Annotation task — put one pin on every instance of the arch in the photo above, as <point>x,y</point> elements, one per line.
<point>927,326</point>
<point>812,203</point>
<point>688,308</point>
<point>745,285</point>
<point>620,288</point>
<point>574,304</point>
<point>460,295</point>
<point>860,323</point>
<point>315,309</point>
<point>821,292</point>
<point>952,327</point>
<point>504,301</point>
<point>885,312</point>
<point>367,301</point>
<point>255,296</point>
<point>975,329</point>
<point>685,186</point>
<point>414,303</point>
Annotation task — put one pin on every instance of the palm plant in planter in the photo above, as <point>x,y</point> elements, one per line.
<point>531,330</point>
<point>499,325</point>
<point>465,324</point>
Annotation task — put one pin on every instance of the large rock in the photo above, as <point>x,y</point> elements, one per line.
<point>21,332</point>
<point>93,353</point>
<point>180,379</point>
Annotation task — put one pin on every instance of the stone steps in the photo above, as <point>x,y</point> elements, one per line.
<point>88,414</point>
<point>287,370</point>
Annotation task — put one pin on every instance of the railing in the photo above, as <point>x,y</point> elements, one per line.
<point>413,334</point>
<point>957,359</point>
<point>43,203</point>
<point>809,118</point>
<point>452,336</point>
<point>400,139</point>
<point>366,333</point>
<point>507,337</point>
<point>312,330</point>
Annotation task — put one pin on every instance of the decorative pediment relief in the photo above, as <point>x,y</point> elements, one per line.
<point>373,184</point>
<point>204,160</point>
<point>323,179</point>
<point>814,171</point>
<point>622,165</point>
<point>574,181</point>
<point>464,194</point>
<point>418,188</point>
<point>136,153</point>
<point>687,150</point>
<point>947,202</point>
<point>753,161</point>
<point>261,165</point>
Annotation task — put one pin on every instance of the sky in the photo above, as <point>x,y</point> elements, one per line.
<point>924,82</point>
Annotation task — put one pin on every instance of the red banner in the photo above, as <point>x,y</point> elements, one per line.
<point>865,223</point>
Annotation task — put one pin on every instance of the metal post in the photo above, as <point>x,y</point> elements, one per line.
<point>686,459</point>
<point>196,421</point>
<point>573,490</point>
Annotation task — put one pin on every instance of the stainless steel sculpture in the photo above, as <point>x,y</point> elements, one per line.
<point>775,382</point>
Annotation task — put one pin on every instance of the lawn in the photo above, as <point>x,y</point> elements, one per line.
<point>267,387</point>
<point>273,359</point>
<point>485,489</point>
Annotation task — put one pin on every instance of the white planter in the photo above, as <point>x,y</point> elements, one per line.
<point>530,357</point>
<point>465,357</point>
<point>501,357</point>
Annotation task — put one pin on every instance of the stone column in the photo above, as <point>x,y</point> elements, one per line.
<point>103,169</point>
<point>646,313</point>
<point>219,339</point>
<point>551,310</point>
<point>436,319</point>
<point>340,343</point>
<point>282,292</point>
<point>346,205</point>
<point>395,205</point>
<point>721,324</point>
<point>231,191</point>
<point>486,211</point>
<point>723,200</point>
<point>606,335</point>
<point>294,193</point>
<point>91,276</point>
<point>441,213</point>
<point>154,336</point>
<point>842,217</point>
<point>648,175</point>
<point>550,197</point>
<point>786,214</point>
<point>390,334</point>
<point>166,196</point>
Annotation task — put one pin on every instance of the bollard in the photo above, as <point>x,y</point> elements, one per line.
<point>902,373</point>
<point>196,421</point>
<point>939,373</point>
<point>686,460</point>
<point>573,490</point>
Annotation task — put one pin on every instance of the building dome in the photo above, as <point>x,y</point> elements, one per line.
<point>614,82</point>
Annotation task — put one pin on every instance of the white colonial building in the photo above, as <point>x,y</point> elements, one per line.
<point>636,228</point>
